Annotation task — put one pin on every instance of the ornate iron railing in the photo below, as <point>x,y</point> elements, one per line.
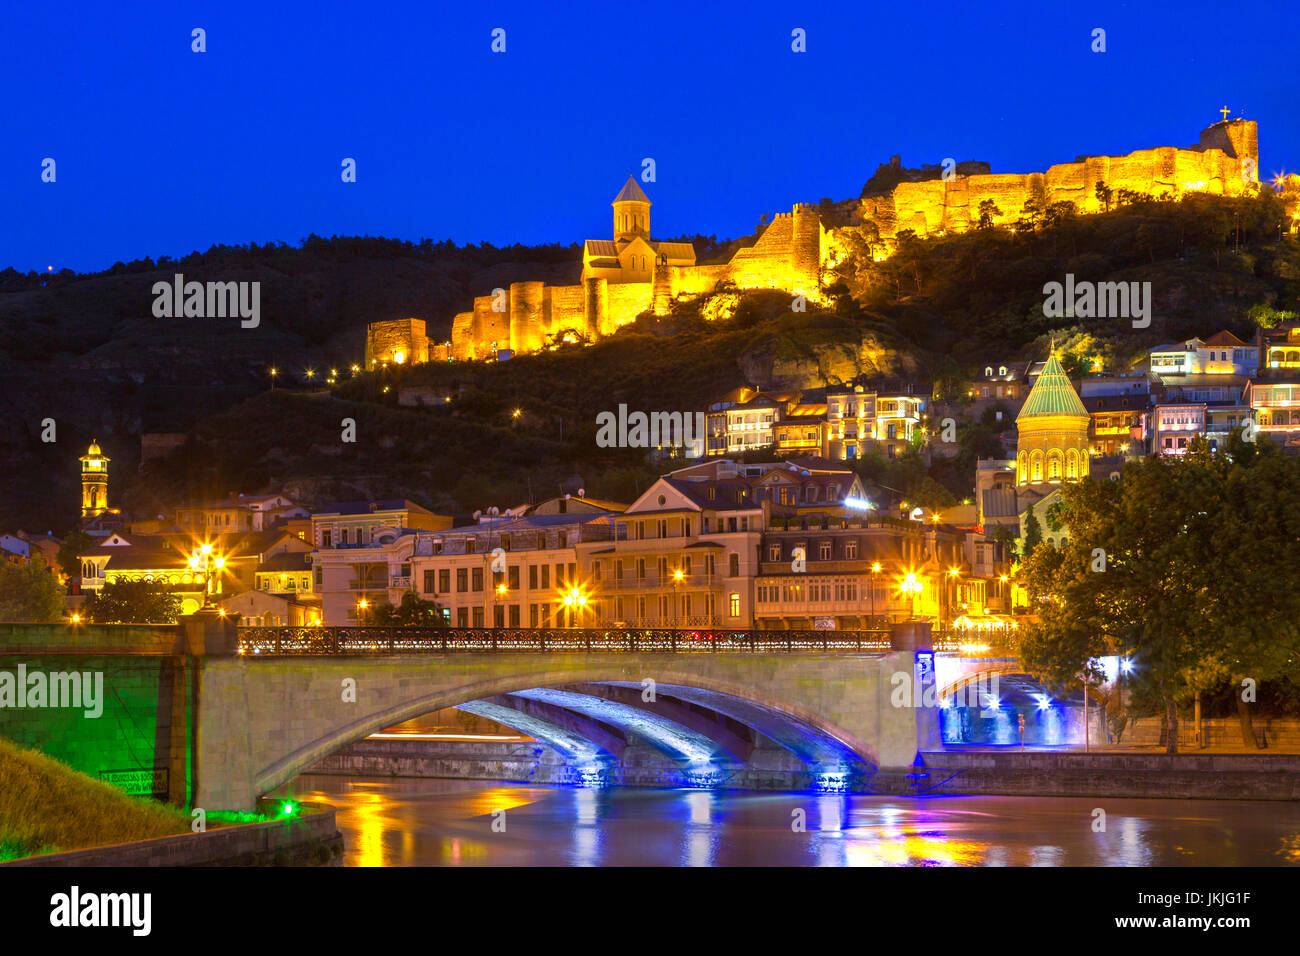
<point>348,641</point>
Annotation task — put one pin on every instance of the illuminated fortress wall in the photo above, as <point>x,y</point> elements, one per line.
<point>1224,162</point>
<point>531,315</point>
<point>399,340</point>
<point>791,251</point>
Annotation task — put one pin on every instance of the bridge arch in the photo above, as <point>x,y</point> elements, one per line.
<point>282,715</point>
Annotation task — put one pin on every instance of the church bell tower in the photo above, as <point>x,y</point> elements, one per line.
<point>94,482</point>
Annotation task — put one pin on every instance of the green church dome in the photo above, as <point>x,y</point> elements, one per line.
<point>1052,394</point>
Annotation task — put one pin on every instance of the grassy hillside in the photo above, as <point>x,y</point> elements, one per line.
<point>47,807</point>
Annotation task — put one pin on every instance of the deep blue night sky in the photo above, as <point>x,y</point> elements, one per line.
<point>162,151</point>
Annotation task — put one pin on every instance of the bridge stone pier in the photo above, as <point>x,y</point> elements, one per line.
<point>257,711</point>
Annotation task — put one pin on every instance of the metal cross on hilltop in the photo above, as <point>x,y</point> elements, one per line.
<point>1225,112</point>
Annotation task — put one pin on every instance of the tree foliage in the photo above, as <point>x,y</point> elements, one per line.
<point>1193,583</point>
<point>412,612</point>
<point>29,593</point>
<point>132,602</point>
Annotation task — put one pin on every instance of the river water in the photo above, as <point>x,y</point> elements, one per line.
<point>389,821</point>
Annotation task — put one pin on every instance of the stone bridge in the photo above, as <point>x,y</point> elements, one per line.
<point>213,716</point>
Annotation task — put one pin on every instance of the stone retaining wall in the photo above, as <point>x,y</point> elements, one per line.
<point>1178,776</point>
<point>310,839</point>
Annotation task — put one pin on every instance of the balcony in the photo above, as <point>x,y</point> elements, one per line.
<point>651,582</point>
<point>399,581</point>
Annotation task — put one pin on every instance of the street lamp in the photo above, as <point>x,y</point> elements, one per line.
<point>911,585</point>
<point>498,594</point>
<point>677,579</point>
<point>575,601</point>
<point>875,569</point>
<point>202,559</point>
<point>361,611</point>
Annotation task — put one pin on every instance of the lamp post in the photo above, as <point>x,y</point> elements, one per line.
<point>575,601</point>
<point>361,611</point>
<point>677,579</point>
<point>875,569</point>
<point>911,585</point>
<point>498,595</point>
<point>948,602</point>
<point>202,559</point>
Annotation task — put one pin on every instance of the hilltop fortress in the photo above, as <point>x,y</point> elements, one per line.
<point>1225,161</point>
<point>632,274</point>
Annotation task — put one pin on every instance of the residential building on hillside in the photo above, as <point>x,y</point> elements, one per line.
<point>1220,354</point>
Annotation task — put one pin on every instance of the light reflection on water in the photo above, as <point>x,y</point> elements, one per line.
<point>417,822</point>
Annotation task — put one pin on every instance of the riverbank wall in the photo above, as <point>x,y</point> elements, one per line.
<point>309,838</point>
<point>953,772</point>
<point>1056,774</point>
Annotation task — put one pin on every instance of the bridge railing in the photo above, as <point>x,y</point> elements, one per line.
<point>284,641</point>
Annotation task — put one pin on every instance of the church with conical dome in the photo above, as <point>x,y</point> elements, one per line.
<point>1052,449</point>
<point>1052,433</point>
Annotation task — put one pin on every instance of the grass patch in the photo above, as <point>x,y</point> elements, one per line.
<point>47,807</point>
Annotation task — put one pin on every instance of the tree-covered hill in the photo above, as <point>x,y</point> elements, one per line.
<point>86,351</point>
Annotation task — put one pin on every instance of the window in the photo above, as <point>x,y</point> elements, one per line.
<point>343,536</point>
<point>734,604</point>
<point>462,580</point>
<point>851,550</point>
<point>444,581</point>
<point>532,577</point>
<point>824,551</point>
<point>514,615</point>
<point>469,545</point>
<point>733,565</point>
<point>462,617</point>
<point>478,617</point>
<point>325,538</point>
<point>512,576</point>
<point>476,579</point>
<point>546,576</point>
<point>774,551</point>
<point>430,578</point>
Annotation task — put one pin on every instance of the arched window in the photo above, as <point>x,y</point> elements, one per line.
<point>1071,464</point>
<point>1022,469</point>
<point>1036,466</point>
<point>1054,466</point>
<point>988,371</point>
<point>1002,370</point>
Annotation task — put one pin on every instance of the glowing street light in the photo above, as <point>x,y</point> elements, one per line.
<point>361,610</point>
<point>911,585</point>
<point>875,569</point>
<point>204,560</point>
<point>575,600</point>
